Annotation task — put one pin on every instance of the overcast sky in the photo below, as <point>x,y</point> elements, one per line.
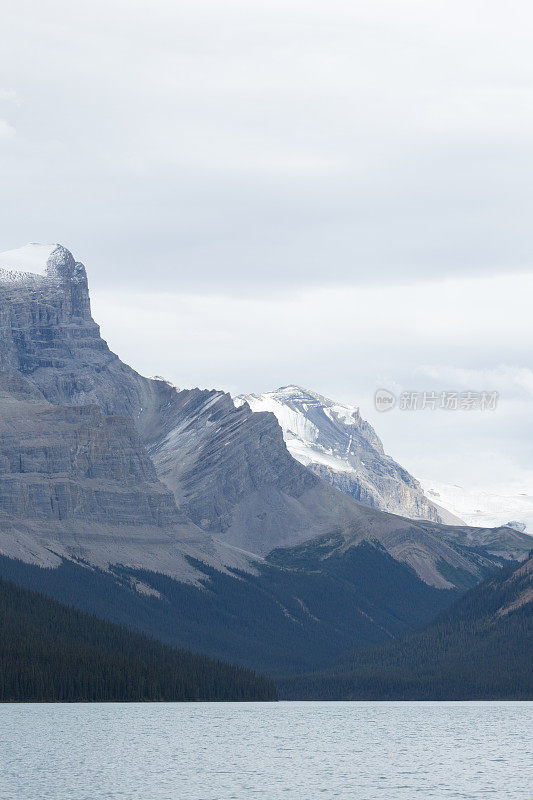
<point>332,194</point>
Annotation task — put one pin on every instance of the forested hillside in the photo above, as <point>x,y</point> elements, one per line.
<point>298,616</point>
<point>479,648</point>
<point>51,652</point>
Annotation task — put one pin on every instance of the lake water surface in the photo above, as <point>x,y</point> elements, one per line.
<point>231,751</point>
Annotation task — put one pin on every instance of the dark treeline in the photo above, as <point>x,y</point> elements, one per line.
<point>51,652</point>
<point>480,648</point>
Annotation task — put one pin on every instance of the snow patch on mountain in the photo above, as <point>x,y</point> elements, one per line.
<point>164,380</point>
<point>511,505</point>
<point>32,259</point>
<point>309,437</point>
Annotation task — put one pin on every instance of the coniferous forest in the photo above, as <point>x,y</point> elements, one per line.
<point>256,621</point>
<point>478,648</point>
<point>481,648</point>
<point>52,652</point>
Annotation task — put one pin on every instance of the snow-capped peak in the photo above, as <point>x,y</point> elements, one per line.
<point>312,422</point>
<point>299,395</point>
<point>333,440</point>
<point>32,259</point>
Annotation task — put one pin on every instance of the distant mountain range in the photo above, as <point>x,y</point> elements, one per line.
<point>336,443</point>
<point>186,516</point>
<point>510,505</point>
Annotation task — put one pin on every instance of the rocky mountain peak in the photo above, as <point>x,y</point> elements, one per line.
<point>337,444</point>
<point>310,419</point>
<point>42,287</point>
<point>36,262</point>
<point>62,264</point>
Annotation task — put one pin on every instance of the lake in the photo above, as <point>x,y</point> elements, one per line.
<point>210,751</point>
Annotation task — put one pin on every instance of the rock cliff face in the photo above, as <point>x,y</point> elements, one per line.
<point>48,335</point>
<point>76,480</point>
<point>100,463</point>
<point>65,462</point>
<point>76,483</point>
<point>339,446</point>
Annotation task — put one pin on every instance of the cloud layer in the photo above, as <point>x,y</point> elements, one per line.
<point>251,146</point>
<point>336,194</point>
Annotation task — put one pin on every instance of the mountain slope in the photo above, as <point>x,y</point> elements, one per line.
<point>279,620</point>
<point>228,468</point>
<point>77,483</point>
<point>76,480</point>
<point>442,555</point>
<point>49,652</point>
<point>479,648</point>
<point>336,443</point>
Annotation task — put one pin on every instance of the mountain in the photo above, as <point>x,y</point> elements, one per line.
<point>78,483</point>
<point>161,508</point>
<point>338,445</point>
<point>506,505</point>
<point>299,610</point>
<point>52,653</point>
<point>76,480</point>
<point>481,648</point>
<point>228,469</point>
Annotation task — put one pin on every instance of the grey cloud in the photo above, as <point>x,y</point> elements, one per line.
<point>257,149</point>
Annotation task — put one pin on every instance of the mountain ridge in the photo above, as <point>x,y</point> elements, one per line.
<point>236,492</point>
